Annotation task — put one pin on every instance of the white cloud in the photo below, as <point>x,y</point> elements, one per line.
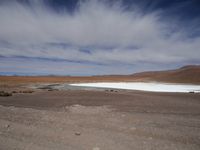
<point>131,35</point>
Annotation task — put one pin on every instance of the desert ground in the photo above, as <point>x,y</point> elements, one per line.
<point>106,119</point>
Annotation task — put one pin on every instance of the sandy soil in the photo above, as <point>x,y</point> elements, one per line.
<point>99,120</point>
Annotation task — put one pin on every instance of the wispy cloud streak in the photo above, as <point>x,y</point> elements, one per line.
<point>109,34</point>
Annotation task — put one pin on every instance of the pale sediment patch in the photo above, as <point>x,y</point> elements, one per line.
<point>80,109</point>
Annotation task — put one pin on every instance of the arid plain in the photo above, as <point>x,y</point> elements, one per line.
<point>99,119</point>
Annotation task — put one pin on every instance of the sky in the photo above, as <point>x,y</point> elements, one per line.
<point>97,37</point>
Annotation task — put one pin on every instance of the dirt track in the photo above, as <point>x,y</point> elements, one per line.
<point>122,120</point>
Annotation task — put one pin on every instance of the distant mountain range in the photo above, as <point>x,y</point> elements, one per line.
<point>186,74</point>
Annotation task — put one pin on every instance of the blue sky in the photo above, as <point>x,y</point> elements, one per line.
<point>93,37</point>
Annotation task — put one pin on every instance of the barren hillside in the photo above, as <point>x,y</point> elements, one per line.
<point>186,74</point>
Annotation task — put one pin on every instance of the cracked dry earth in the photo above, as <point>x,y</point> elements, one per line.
<point>80,127</point>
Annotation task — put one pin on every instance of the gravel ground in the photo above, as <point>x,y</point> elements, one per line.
<point>100,120</point>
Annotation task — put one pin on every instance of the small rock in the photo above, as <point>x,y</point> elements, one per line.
<point>150,138</point>
<point>78,133</point>
<point>133,128</point>
<point>7,126</point>
<point>96,148</point>
<point>123,115</point>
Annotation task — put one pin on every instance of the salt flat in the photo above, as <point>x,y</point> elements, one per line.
<point>144,86</point>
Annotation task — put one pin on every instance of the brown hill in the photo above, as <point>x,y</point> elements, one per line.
<point>186,74</point>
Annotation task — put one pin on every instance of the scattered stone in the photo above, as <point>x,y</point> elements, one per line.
<point>150,138</point>
<point>5,94</point>
<point>78,133</point>
<point>26,91</point>
<point>7,126</point>
<point>96,148</point>
<point>133,128</point>
<point>123,115</point>
<point>50,90</point>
